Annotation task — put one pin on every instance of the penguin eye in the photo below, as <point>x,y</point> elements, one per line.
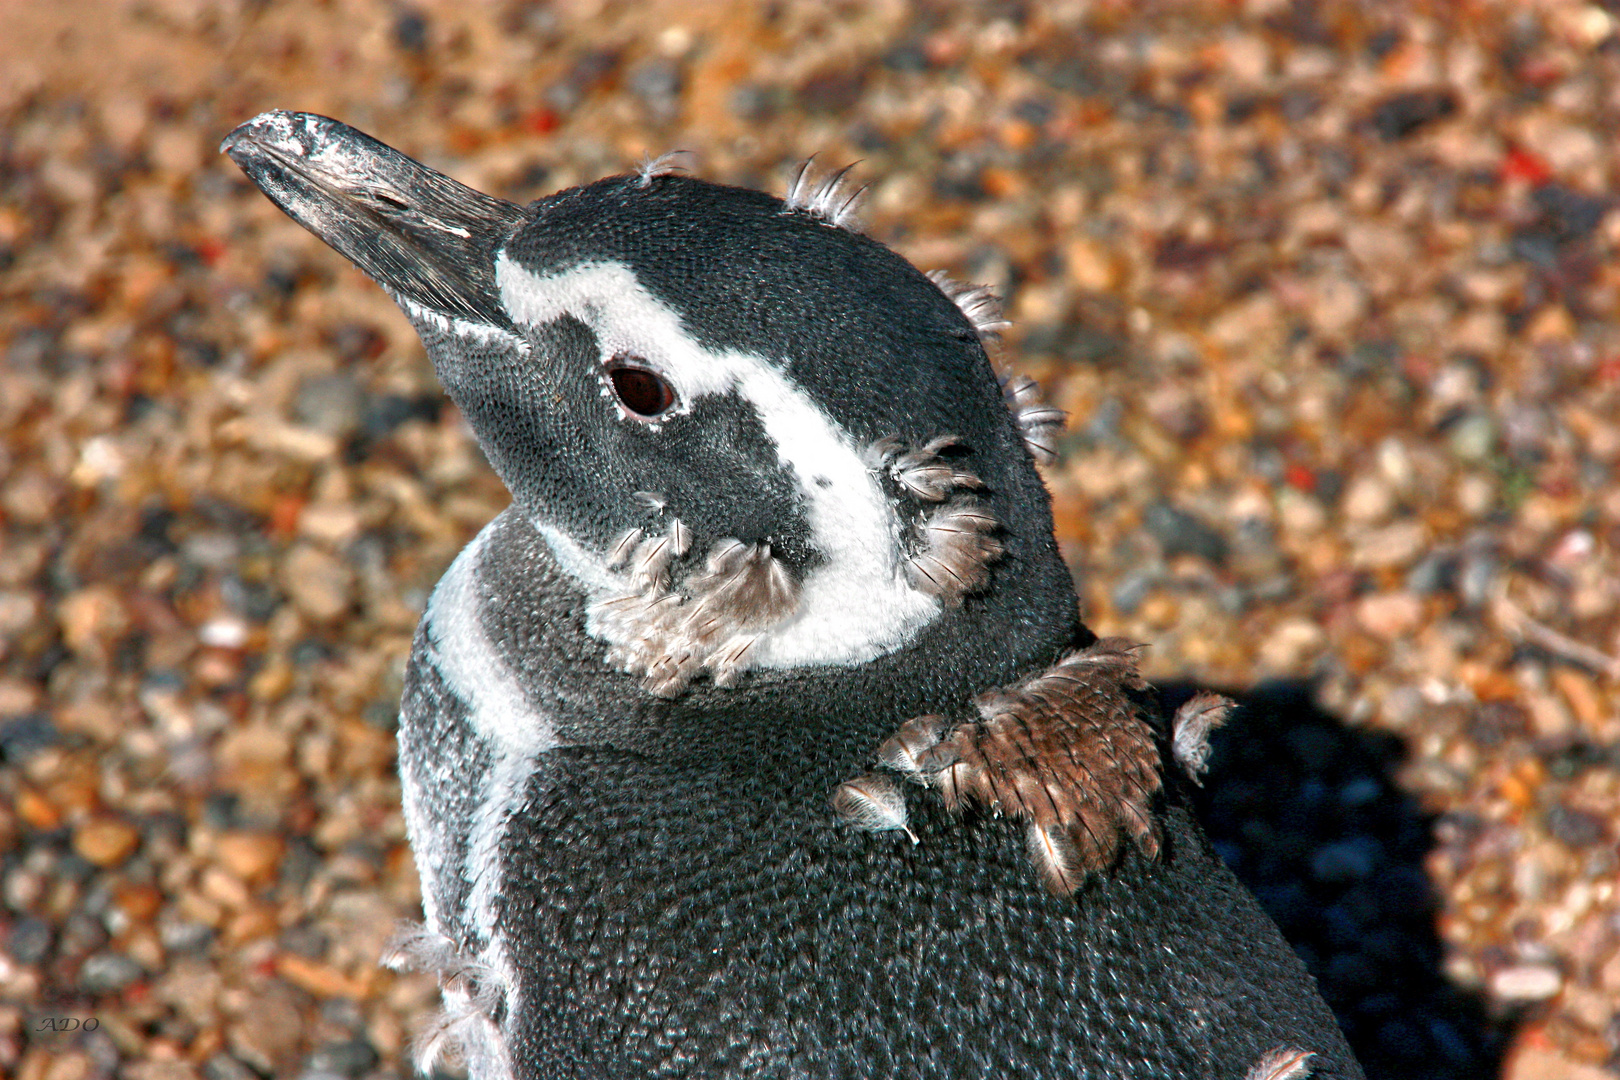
<point>640,389</point>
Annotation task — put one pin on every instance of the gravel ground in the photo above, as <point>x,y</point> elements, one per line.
<point>1327,288</point>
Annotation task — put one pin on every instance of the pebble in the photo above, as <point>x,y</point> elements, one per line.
<point>334,404</point>
<point>1368,500</point>
<point>268,1034</point>
<point>1525,982</point>
<point>1402,115</point>
<point>1473,438</point>
<point>1536,1063</point>
<point>108,973</point>
<point>1577,828</point>
<point>352,1058</point>
<point>30,940</point>
<point>226,1067</point>
<point>106,842</point>
<point>180,935</point>
<point>251,856</point>
<point>1182,533</point>
<point>1389,616</point>
<point>318,583</point>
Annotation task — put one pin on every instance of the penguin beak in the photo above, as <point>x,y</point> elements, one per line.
<point>428,240</point>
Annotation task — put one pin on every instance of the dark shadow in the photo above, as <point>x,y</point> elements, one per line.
<point>1306,812</point>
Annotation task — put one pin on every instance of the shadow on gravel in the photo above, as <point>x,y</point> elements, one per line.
<point>1306,812</point>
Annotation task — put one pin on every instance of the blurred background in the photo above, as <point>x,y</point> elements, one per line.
<point>1328,289</point>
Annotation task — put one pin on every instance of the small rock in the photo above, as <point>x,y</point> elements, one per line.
<point>1388,616</point>
<point>1128,593</point>
<point>1181,533</point>
<point>1577,828</point>
<point>180,935</point>
<point>1398,544</point>
<point>225,1067</point>
<point>108,973</point>
<point>411,30</point>
<point>251,856</point>
<point>1369,500</point>
<point>91,617</point>
<point>225,632</point>
<point>1403,114</point>
<point>320,585</point>
<point>1292,645</point>
<point>1435,572</point>
<point>106,842</point>
<point>1570,214</point>
<point>351,1058</point>
<point>321,980</point>
<point>657,82</point>
<point>1473,437</point>
<point>22,737</point>
<point>268,1033</point>
<point>1536,1063</point>
<point>331,403</point>
<point>82,933</point>
<point>1526,982</point>
<point>30,940</point>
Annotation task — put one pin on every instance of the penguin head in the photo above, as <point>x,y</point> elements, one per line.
<point>754,436</point>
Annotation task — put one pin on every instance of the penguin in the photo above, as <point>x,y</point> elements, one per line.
<point>761,736</point>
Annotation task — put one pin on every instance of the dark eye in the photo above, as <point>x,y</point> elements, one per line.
<point>641,390</point>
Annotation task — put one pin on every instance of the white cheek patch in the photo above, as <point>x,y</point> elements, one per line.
<point>857,604</point>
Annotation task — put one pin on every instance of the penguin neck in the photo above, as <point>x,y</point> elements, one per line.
<point>527,616</point>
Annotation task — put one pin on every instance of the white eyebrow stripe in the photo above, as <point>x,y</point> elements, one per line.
<point>857,604</point>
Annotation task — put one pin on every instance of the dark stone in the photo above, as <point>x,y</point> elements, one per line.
<point>1577,828</point>
<point>221,811</point>
<point>108,973</point>
<point>30,940</point>
<point>590,70</point>
<point>1382,42</point>
<point>833,91</point>
<point>225,1067</point>
<point>351,1058</point>
<point>1182,533</point>
<point>21,737</point>
<point>1407,113</point>
<point>1400,1037</point>
<point>179,936</point>
<point>657,83</point>
<point>255,601</point>
<point>382,715</point>
<point>908,56</point>
<point>1314,747</point>
<point>305,940</point>
<point>411,30</point>
<point>1569,214</point>
<point>754,103</point>
<point>1350,973</point>
<point>1435,572</point>
<point>386,412</point>
<point>299,864</point>
<point>81,933</point>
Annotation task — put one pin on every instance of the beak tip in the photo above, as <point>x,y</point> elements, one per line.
<point>275,128</point>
